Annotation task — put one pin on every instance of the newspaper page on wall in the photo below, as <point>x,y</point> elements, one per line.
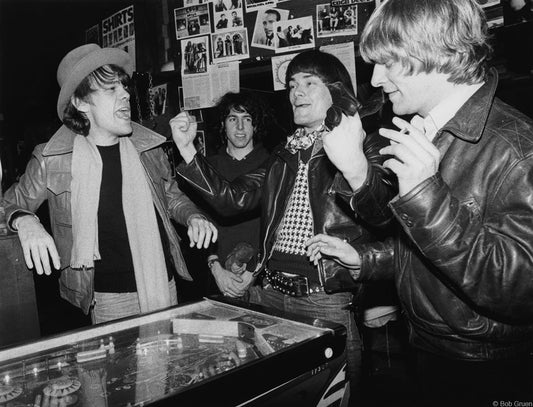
<point>346,54</point>
<point>118,31</point>
<point>203,90</point>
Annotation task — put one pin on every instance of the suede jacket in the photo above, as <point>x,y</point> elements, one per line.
<point>271,185</point>
<point>463,263</point>
<point>48,177</point>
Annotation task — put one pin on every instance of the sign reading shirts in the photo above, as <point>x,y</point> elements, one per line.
<point>118,31</point>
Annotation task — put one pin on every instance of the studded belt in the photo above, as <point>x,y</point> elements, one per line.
<point>291,284</point>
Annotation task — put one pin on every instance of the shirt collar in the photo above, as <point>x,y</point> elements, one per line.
<point>447,108</point>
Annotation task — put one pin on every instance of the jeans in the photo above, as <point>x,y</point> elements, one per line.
<point>330,307</point>
<point>111,306</point>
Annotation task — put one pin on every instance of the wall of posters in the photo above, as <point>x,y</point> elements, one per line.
<point>118,31</point>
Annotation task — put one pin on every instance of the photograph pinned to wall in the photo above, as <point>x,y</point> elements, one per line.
<point>158,99</point>
<point>295,34</point>
<point>199,142</point>
<point>252,5</point>
<point>228,19</point>
<point>279,68</point>
<point>225,5</point>
<point>197,113</point>
<point>334,21</point>
<point>180,97</point>
<point>264,34</point>
<point>194,55</point>
<point>92,35</point>
<point>194,2</point>
<point>231,45</point>
<point>191,21</point>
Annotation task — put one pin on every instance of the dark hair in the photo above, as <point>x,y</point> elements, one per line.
<point>251,103</point>
<point>272,11</point>
<point>326,66</point>
<point>104,76</point>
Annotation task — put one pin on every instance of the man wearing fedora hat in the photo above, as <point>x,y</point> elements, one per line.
<point>110,195</point>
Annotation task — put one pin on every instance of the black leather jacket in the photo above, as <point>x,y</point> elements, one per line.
<point>271,185</point>
<point>464,262</point>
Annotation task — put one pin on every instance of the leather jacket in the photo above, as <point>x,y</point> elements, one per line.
<point>463,262</point>
<point>48,177</point>
<point>271,185</point>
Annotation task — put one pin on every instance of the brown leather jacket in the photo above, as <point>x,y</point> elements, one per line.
<point>463,264</point>
<point>48,177</point>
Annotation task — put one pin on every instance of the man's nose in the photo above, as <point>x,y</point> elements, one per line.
<point>240,124</point>
<point>378,76</point>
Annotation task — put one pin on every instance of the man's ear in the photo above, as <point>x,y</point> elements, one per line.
<point>79,104</point>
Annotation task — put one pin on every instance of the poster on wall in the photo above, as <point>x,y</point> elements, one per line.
<point>279,68</point>
<point>194,55</point>
<point>231,45</point>
<point>191,21</point>
<point>118,31</point>
<point>158,99</point>
<point>264,34</point>
<point>333,21</point>
<point>294,35</point>
<point>345,52</point>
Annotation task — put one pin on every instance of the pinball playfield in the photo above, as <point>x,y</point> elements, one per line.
<point>205,353</point>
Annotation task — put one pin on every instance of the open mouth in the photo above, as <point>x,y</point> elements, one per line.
<point>124,113</point>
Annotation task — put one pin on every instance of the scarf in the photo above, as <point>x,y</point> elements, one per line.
<point>141,223</point>
<point>300,140</point>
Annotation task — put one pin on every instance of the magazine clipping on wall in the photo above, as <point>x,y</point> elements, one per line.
<point>158,99</point>
<point>345,52</point>
<point>231,45</point>
<point>192,20</point>
<point>333,21</point>
<point>294,35</point>
<point>194,55</point>
<point>264,33</point>
<point>279,68</point>
<point>118,31</point>
<point>252,5</point>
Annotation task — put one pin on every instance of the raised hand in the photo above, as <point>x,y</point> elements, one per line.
<point>184,127</point>
<point>415,157</point>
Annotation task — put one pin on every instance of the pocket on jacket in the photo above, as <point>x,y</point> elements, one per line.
<point>58,183</point>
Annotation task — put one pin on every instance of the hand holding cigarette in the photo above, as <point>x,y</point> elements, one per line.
<point>415,157</point>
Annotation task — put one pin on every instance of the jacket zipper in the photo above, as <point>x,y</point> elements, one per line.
<point>265,257</point>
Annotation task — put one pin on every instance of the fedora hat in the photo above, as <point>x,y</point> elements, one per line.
<point>80,62</point>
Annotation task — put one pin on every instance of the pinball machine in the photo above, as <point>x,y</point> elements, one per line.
<point>206,353</point>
